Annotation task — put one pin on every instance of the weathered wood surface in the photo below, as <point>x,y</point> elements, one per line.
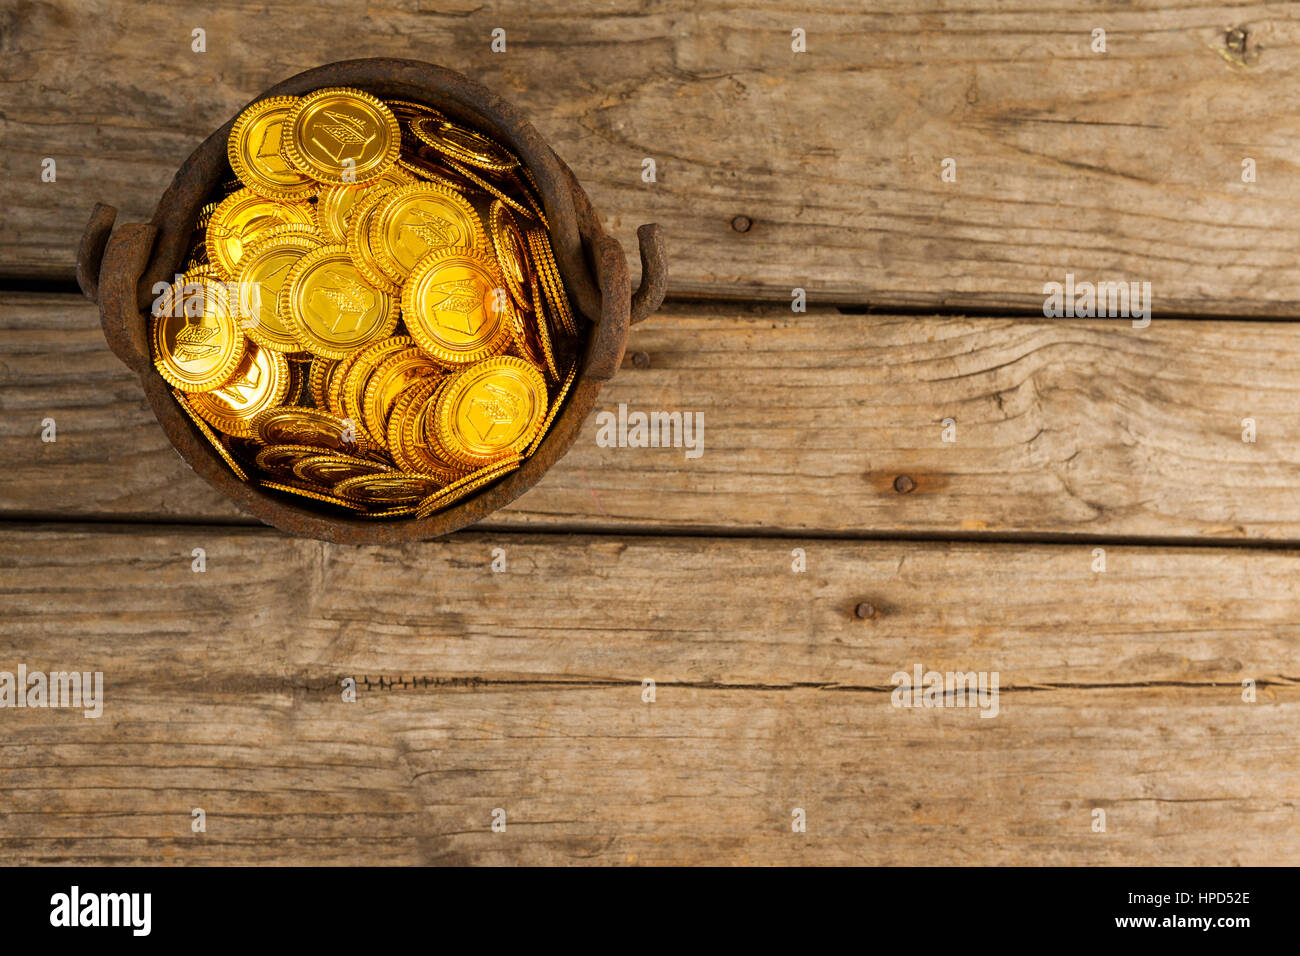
<point>523,690</point>
<point>1063,427</point>
<point>1122,166</point>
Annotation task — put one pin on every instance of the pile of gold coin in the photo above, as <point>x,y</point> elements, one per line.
<point>370,316</point>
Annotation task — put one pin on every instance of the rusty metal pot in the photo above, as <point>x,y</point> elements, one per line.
<point>119,271</point>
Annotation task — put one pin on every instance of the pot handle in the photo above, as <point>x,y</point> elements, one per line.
<point>127,253</point>
<point>649,294</point>
<point>605,353</point>
<point>90,251</point>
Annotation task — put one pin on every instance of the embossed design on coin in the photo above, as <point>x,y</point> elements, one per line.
<point>261,381</point>
<point>416,220</point>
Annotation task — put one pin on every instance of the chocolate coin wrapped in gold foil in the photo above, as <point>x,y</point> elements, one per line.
<point>262,270</point>
<point>334,203</point>
<point>456,306</point>
<point>556,404</point>
<point>196,344</point>
<point>364,257</point>
<point>309,426</point>
<point>312,494</point>
<point>242,218</point>
<point>260,382</point>
<point>330,308</point>
<point>511,249</point>
<point>318,380</point>
<point>341,136</point>
<point>353,388</point>
<point>392,488</point>
<point>449,495</point>
<point>329,470</point>
<point>490,410</point>
<point>538,337</point>
<point>391,377</point>
<point>463,145</point>
<point>407,112</point>
<point>254,151</point>
<point>549,274</point>
<point>415,220</point>
<point>278,460</point>
<point>408,433</point>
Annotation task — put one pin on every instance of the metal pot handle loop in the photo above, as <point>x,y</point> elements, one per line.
<point>609,338</point>
<point>90,251</point>
<point>649,294</point>
<point>124,261</point>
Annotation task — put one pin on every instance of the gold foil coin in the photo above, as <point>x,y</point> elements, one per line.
<point>393,376</point>
<point>456,306</point>
<point>291,425</point>
<point>315,494</point>
<point>416,220</point>
<point>329,470</point>
<point>318,380</point>
<point>363,256</point>
<point>334,203</point>
<point>392,488</point>
<point>555,408</point>
<point>490,410</point>
<point>464,145</point>
<point>262,271</point>
<point>341,136</point>
<point>279,460</point>
<point>196,346</point>
<point>512,253</point>
<point>260,382</point>
<point>538,334</point>
<point>329,306</point>
<point>242,218</point>
<point>446,497</point>
<point>254,151</point>
<point>408,433</point>
<point>363,365</point>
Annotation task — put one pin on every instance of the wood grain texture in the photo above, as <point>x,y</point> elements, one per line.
<point>522,690</point>
<point>1063,427</point>
<point>1122,166</point>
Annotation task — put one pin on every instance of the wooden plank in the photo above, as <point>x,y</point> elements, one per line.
<point>1116,166</point>
<point>1062,427</point>
<point>523,690</point>
<point>591,776</point>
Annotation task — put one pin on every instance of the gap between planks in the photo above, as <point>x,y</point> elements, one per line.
<point>441,683</point>
<point>39,520</point>
<point>846,306</point>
